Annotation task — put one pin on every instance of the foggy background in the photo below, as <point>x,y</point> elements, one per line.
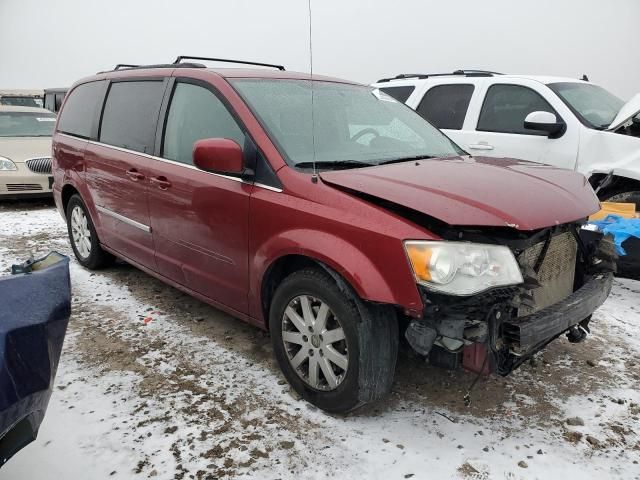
<point>52,44</point>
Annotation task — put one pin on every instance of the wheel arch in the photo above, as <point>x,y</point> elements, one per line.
<point>68,191</point>
<point>284,266</point>
<point>347,264</point>
<point>619,181</point>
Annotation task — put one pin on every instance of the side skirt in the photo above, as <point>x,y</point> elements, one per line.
<point>220,306</point>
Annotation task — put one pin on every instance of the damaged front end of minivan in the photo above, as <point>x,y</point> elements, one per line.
<point>564,278</point>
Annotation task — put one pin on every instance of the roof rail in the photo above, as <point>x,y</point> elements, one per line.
<point>419,76</point>
<point>225,60</point>
<point>124,65</point>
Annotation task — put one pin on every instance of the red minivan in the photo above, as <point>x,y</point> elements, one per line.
<point>331,215</point>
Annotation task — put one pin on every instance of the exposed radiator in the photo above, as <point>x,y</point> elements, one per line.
<point>556,273</point>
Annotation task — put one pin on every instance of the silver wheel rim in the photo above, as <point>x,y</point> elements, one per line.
<point>315,343</point>
<point>80,232</point>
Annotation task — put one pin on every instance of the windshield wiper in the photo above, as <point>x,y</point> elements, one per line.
<point>337,164</point>
<point>406,159</point>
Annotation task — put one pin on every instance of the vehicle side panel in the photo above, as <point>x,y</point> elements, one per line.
<point>360,241</point>
<point>602,151</point>
<point>120,198</point>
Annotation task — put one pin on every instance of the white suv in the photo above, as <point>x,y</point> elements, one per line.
<point>559,121</point>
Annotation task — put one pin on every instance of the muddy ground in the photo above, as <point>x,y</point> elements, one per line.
<point>188,392</point>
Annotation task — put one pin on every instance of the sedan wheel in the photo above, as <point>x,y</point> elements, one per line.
<point>315,343</point>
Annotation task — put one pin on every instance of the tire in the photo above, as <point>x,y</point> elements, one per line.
<point>369,341</point>
<point>83,237</point>
<point>629,195</point>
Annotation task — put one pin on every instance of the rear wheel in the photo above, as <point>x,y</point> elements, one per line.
<point>83,237</point>
<point>336,351</point>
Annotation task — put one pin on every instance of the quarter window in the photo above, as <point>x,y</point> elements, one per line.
<point>131,114</point>
<point>506,106</point>
<point>445,106</point>
<point>399,93</point>
<point>81,110</point>
<point>196,113</point>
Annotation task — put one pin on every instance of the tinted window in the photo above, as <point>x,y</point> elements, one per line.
<point>196,113</point>
<point>399,93</point>
<point>446,105</point>
<point>131,115</point>
<point>506,106</point>
<point>81,109</point>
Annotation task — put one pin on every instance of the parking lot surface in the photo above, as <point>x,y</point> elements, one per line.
<point>155,384</point>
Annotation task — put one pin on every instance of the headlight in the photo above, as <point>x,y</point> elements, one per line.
<point>6,164</point>
<point>461,268</point>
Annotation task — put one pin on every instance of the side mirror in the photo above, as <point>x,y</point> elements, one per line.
<point>219,155</point>
<point>545,122</point>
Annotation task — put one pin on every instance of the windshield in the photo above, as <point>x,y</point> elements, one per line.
<point>21,101</point>
<point>352,125</point>
<point>594,106</point>
<point>26,124</point>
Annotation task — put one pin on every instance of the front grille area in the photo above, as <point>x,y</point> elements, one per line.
<point>39,165</point>
<point>23,187</point>
<point>556,273</point>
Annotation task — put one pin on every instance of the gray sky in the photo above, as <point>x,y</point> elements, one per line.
<point>53,43</point>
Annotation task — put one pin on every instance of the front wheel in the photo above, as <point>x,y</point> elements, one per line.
<point>624,195</point>
<point>336,351</point>
<point>83,236</point>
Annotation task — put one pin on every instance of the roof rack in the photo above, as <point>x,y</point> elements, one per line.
<point>124,66</point>
<point>225,60</point>
<point>466,73</point>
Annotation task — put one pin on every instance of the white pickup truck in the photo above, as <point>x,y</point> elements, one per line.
<point>564,122</point>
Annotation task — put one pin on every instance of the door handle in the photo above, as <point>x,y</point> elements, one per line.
<point>161,182</point>
<point>481,146</point>
<point>134,175</point>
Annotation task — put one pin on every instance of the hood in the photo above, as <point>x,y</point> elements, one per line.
<point>19,149</point>
<point>477,191</point>
<point>628,110</point>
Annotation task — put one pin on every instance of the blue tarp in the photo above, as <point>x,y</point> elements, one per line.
<point>620,228</point>
<point>34,313</point>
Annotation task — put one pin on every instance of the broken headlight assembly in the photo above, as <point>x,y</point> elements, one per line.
<point>6,164</point>
<point>462,268</point>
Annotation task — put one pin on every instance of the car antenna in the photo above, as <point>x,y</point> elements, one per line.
<point>314,176</point>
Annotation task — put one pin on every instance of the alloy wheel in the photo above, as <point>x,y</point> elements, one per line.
<point>315,342</point>
<point>80,232</point>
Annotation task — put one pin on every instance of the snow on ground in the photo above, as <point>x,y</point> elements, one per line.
<point>155,384</point>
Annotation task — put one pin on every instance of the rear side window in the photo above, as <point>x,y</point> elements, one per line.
<point>506,106</point>
<point>399,93</point>
<point>130,115</point>
<point>196,113</point>
<point>80,111</point>
<point>445,106</point>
